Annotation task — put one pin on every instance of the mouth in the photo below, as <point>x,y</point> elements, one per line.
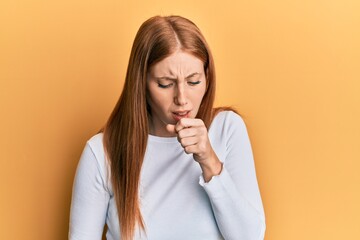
<point>180,114</point>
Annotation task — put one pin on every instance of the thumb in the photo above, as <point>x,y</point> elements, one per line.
<point>170,128</point>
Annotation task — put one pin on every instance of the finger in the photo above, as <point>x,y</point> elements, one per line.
<point>190,149</point>
<point>185,142</point>
<point>187,132</point>
<point>188,122</point>
<point>171,128</point>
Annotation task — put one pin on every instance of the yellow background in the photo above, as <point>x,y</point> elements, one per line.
<point>292,68</point>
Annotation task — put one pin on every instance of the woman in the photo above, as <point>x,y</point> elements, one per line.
<point>167,165</point>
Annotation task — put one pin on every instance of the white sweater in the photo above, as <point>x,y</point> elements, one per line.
<point>175,201</point>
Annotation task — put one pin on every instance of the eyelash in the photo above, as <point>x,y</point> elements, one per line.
<point>169,85</point>
<point>194,83</point>
<point>165,86</point>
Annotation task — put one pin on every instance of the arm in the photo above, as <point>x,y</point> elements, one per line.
<point>234,194</point>
<point>232,186</point>
<point>89,199</point>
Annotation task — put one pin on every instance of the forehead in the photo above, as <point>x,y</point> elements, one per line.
<point>178,63</point>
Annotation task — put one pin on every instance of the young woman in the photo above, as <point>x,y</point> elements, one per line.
<point>167,165</point>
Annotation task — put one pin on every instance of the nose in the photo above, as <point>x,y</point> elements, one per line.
<point>180,96</point>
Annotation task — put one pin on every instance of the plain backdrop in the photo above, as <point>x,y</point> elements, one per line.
<point>291,68</point>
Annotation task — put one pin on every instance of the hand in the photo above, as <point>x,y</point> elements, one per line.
<point>193,137</point>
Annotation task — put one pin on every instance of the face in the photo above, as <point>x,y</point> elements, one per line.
<point>175,88</point>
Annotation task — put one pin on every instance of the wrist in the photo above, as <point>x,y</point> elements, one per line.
<point>211,168</point>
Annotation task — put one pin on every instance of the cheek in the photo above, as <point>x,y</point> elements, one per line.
<point>200,95</point>
<point>158,100</point>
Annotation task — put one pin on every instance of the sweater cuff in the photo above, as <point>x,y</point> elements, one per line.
<point>216,187</point>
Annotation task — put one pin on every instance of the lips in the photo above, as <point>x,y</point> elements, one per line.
<point>180,114</point>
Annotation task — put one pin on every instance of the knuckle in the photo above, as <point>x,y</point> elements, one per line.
<point>182,122</point>
<point>203,130</point>
<point>200,122</point>
<point>183,142</point>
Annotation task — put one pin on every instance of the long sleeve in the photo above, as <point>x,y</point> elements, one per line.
<point>90,199</point>
<point>234,194</point>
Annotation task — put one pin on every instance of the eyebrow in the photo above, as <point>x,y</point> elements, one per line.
<point>174,79</point>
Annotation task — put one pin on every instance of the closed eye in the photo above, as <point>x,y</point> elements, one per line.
<point>165,86</point>
<point>194,83</point>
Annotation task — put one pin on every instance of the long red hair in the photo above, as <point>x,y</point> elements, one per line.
<point>126,131</point>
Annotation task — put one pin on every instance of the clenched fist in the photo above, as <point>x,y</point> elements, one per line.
<point>193,137</point>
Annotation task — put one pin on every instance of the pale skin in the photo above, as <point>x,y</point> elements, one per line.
<point>176,86</point>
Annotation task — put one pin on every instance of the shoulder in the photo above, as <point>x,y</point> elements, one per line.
<point>92,167</point>
<point>228,125</point>
<point>96,146</point>
<point>227,131</point>
<point>228,120</point>
<point>96,142</point>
